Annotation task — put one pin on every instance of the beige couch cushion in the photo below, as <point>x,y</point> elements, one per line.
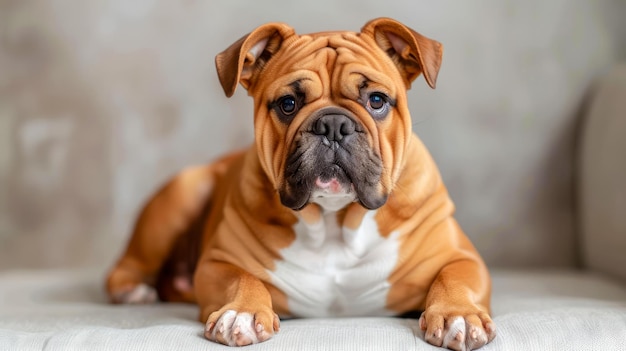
<point>602,183</point>
<point>66,310</point>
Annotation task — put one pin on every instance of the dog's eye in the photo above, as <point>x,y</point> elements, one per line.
<point>287,105</point>
<point>376,101</point>
<point>378,105</point>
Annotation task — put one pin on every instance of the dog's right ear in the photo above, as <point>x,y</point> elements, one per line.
<point>245,58</point>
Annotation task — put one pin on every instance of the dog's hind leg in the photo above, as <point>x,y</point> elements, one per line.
<point>167,218</point>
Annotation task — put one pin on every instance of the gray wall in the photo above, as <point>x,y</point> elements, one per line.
<point>102,100</point>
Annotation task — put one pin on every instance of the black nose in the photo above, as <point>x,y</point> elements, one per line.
<point>334,127</point>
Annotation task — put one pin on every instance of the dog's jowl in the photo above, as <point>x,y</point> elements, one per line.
<point>337,209</point>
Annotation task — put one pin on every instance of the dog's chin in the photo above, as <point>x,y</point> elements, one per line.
<point>333,202</point>
<point>330,194</point>
<point>332,197</point>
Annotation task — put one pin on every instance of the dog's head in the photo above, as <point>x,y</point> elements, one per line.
<point>331,117</point>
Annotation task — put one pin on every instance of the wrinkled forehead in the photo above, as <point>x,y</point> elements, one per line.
<point>327,54</point>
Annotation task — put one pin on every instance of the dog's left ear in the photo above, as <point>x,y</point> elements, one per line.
<point>241,61</point>
<point>412,52</point>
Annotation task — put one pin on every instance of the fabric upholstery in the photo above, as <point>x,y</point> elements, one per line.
<point>534,310</point>
<point>602,182</point>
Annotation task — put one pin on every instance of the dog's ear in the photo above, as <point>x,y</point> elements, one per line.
<point>412,52</point>
<point>247,56</point>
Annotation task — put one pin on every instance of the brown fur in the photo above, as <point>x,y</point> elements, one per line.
<point>244,225</point>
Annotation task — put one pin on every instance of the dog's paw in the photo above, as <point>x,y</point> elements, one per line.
<point>233,328</point>
<point>140,294</point>
<point>460,329</point>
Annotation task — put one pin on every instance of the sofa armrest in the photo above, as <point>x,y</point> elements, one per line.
<point>602,176</point>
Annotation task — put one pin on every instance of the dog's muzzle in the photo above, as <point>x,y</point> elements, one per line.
<point>332,159</point>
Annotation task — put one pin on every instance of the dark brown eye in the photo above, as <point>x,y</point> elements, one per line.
<point>376,101</point>
<point>287,105</point>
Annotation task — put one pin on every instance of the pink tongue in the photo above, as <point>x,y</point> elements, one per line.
<point>332,185</point>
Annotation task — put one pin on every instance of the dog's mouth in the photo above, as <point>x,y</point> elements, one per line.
<point>333,180</point>
<point>333,189</point>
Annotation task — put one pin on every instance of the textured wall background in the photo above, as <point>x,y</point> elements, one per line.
<point>102,100</point>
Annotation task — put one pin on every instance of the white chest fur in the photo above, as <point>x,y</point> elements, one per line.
<point>335,271</point>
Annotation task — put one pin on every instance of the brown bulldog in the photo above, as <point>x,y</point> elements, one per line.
<point>336,210</point>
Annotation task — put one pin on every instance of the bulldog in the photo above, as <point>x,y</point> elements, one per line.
<point>337,209</point>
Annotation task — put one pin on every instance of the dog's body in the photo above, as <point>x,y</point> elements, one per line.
<point>337,210</point>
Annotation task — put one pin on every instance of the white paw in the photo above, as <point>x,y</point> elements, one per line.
<point>141,294</point>
<point>457,332</point>
<point>459,336</point>
<point>236,329</point>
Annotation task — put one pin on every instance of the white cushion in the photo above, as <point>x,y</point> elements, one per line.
<point>67,310</point>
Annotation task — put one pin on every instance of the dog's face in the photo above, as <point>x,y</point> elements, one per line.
<point>331,116</point>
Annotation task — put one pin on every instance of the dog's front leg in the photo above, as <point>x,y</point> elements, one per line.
<point>235,305</point>
<point>457,307</point>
